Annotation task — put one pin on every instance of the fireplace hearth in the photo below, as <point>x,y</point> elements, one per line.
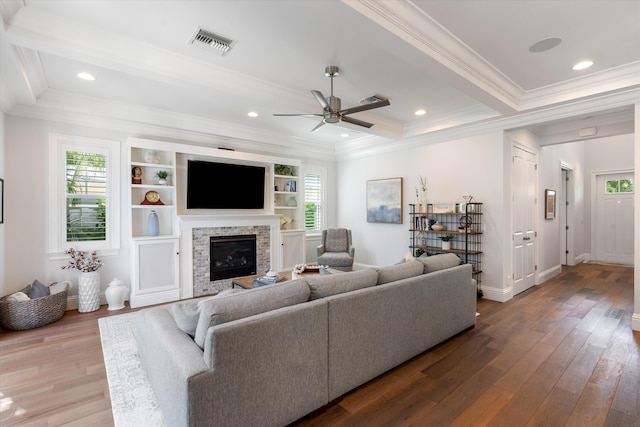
<point>232,256</point>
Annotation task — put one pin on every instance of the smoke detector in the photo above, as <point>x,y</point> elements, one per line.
<point>211,40</point>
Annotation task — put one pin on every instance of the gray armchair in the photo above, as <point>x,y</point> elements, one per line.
<point>336,249</point>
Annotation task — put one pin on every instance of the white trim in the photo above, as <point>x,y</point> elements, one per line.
<point>58,144</point>
<point>497,294</point>
<point>549,273</point>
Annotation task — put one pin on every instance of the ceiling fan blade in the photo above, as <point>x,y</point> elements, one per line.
<point>321,99</point>
<point>317,126</point>
<point>320,115</point>
<point>356,122</point>
<point>365,107</point>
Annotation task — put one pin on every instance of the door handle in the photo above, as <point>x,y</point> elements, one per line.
<point>526,238</point>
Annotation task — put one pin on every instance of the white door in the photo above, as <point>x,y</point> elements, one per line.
<point>523,221</point>
<point>155,277</point>
<point>293,249</point>
<point>614,219</point>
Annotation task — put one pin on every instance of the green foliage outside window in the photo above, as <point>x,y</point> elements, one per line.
<point>86,196</point>
<point>614,186</point>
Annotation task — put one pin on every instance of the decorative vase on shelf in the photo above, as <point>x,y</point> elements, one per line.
<point>153,227</point>
<point>88,291</point>
<point>446,245</point>
<point>115,294</point>
<point>438,226</point>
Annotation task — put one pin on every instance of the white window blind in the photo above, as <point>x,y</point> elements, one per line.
<point>86,196</point>
<point>313,200</point>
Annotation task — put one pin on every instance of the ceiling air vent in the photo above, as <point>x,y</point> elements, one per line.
<point>211,40</point>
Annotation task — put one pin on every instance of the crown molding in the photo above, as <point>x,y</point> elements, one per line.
<point>139,121</point>
<point>8,9</point>
<point>472,114</point>
<point>501,124</point>
<point>410,23</point>
<point>617,79</point>
<point>32,71</point>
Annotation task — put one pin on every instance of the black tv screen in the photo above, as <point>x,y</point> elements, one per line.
<point>224,186</point>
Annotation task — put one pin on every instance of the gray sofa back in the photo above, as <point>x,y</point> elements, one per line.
<point>374,329</point>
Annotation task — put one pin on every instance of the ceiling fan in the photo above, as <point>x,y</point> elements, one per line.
<point>331,107</point>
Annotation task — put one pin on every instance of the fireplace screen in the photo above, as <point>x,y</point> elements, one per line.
<point>232,256</point>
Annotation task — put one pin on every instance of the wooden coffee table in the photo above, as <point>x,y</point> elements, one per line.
<point>247,281</point>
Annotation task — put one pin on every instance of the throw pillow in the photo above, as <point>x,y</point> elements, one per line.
<point>57,287</point>
<point>392,273</point>
<point>37,290</point>
<point>17,297</point>
<point>187,313</point>
<point>324,286</point>
<point>438,262</point>
<point>217,311</point>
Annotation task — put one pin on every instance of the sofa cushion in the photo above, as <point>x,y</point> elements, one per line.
<point>438,262</point>
<point>216,311</point>
<point>187,313</point>
<point>325,285</point>
<point>392,273</point>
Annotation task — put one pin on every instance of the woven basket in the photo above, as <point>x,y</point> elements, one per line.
<point>33,313</point>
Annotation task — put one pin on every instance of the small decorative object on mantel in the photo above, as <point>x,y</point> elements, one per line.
<point>153,228</point>
<point>151,156</point>
<point>152,198</point>
<point>89,279</point>
<point>162,177</point>
<point>285,222</point>
<point>136,175</point>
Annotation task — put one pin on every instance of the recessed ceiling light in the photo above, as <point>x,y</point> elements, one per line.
<point>252,114</point>
<point>545,45</point>
<point>86,76</point>
<point>344,135</point>
<point>582,65</point>
<point>420,112</point>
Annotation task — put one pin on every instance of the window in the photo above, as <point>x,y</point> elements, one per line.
<point>84,183</point>
<point>314,188</point>
<point>615,186</point>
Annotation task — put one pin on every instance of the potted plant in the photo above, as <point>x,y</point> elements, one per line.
<point>284,170</point>
<point>162,177</point>
<point>446,241</point>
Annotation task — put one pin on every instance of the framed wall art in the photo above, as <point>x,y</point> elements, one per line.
<point>549,204</point>
<point>384,200</point>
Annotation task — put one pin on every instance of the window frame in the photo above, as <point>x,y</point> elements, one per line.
<point>59,144</point>
<point>322,173</point>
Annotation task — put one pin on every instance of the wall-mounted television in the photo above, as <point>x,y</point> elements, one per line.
<point>224,186</point>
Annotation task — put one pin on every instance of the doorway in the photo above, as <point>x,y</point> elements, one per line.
<point>613,228</point>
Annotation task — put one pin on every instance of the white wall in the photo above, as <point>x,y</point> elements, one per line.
<point>24,152</point>
<point>472,165</point>
<point>3,227</point>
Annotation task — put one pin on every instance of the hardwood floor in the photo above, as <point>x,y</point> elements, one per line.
<point>561,354</point>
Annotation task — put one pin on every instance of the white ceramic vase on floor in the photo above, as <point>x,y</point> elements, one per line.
<point>88,292</point>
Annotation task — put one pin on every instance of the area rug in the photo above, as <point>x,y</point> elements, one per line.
<point>133,402</point>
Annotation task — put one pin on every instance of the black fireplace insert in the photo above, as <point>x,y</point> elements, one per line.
<point>232,256</point>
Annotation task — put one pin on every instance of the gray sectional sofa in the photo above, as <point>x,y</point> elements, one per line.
<point>271,355</point>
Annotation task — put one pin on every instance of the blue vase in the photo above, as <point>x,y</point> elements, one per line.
<point>153,228</point>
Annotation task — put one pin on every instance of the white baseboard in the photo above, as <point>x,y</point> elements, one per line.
<point>497,294</point>
<point>635,321</point>
<point>549,273</point>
